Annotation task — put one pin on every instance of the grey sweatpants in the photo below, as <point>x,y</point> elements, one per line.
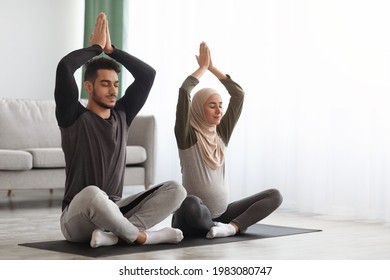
<point>91,209</point>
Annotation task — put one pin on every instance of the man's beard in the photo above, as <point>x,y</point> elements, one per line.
<point>100,103</point>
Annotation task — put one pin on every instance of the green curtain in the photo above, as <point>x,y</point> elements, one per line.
<point>115,11</point>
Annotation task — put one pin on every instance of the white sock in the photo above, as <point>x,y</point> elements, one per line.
<point>221,230</point>
<point>103,238</point>
<point>165,235</point>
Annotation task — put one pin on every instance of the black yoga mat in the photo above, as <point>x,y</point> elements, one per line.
<point>257,231</point>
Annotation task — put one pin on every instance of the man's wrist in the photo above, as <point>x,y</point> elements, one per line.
<point>109,50</point>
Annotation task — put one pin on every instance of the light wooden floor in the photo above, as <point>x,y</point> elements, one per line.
<point>34,216</point>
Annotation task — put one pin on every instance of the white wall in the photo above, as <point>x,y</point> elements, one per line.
<point>35,35</point>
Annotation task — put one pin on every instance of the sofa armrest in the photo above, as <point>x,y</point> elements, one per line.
<point>142,132</point>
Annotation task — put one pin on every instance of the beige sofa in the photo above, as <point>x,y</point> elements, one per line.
<point>30,147</point>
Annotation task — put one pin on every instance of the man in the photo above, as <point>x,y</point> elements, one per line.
<point>94,143</point>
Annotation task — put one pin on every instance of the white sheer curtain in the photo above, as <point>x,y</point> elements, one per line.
<point>316,120</point>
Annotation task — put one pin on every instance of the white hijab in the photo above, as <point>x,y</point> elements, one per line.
<point>211,145</point>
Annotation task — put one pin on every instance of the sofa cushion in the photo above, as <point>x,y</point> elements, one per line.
<point>135,155</point>
<point>28,124</point>
<point>47,157</point>
<point>15,160</point>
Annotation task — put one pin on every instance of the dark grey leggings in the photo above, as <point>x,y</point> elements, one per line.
<point>194,218</point>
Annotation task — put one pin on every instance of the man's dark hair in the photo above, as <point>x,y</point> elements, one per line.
<point>92,66</point>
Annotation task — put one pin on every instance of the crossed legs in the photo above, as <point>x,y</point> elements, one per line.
<point>194,218</point>
<point>93,217</point>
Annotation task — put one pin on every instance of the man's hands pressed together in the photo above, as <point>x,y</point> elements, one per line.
<point>101,34</point>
